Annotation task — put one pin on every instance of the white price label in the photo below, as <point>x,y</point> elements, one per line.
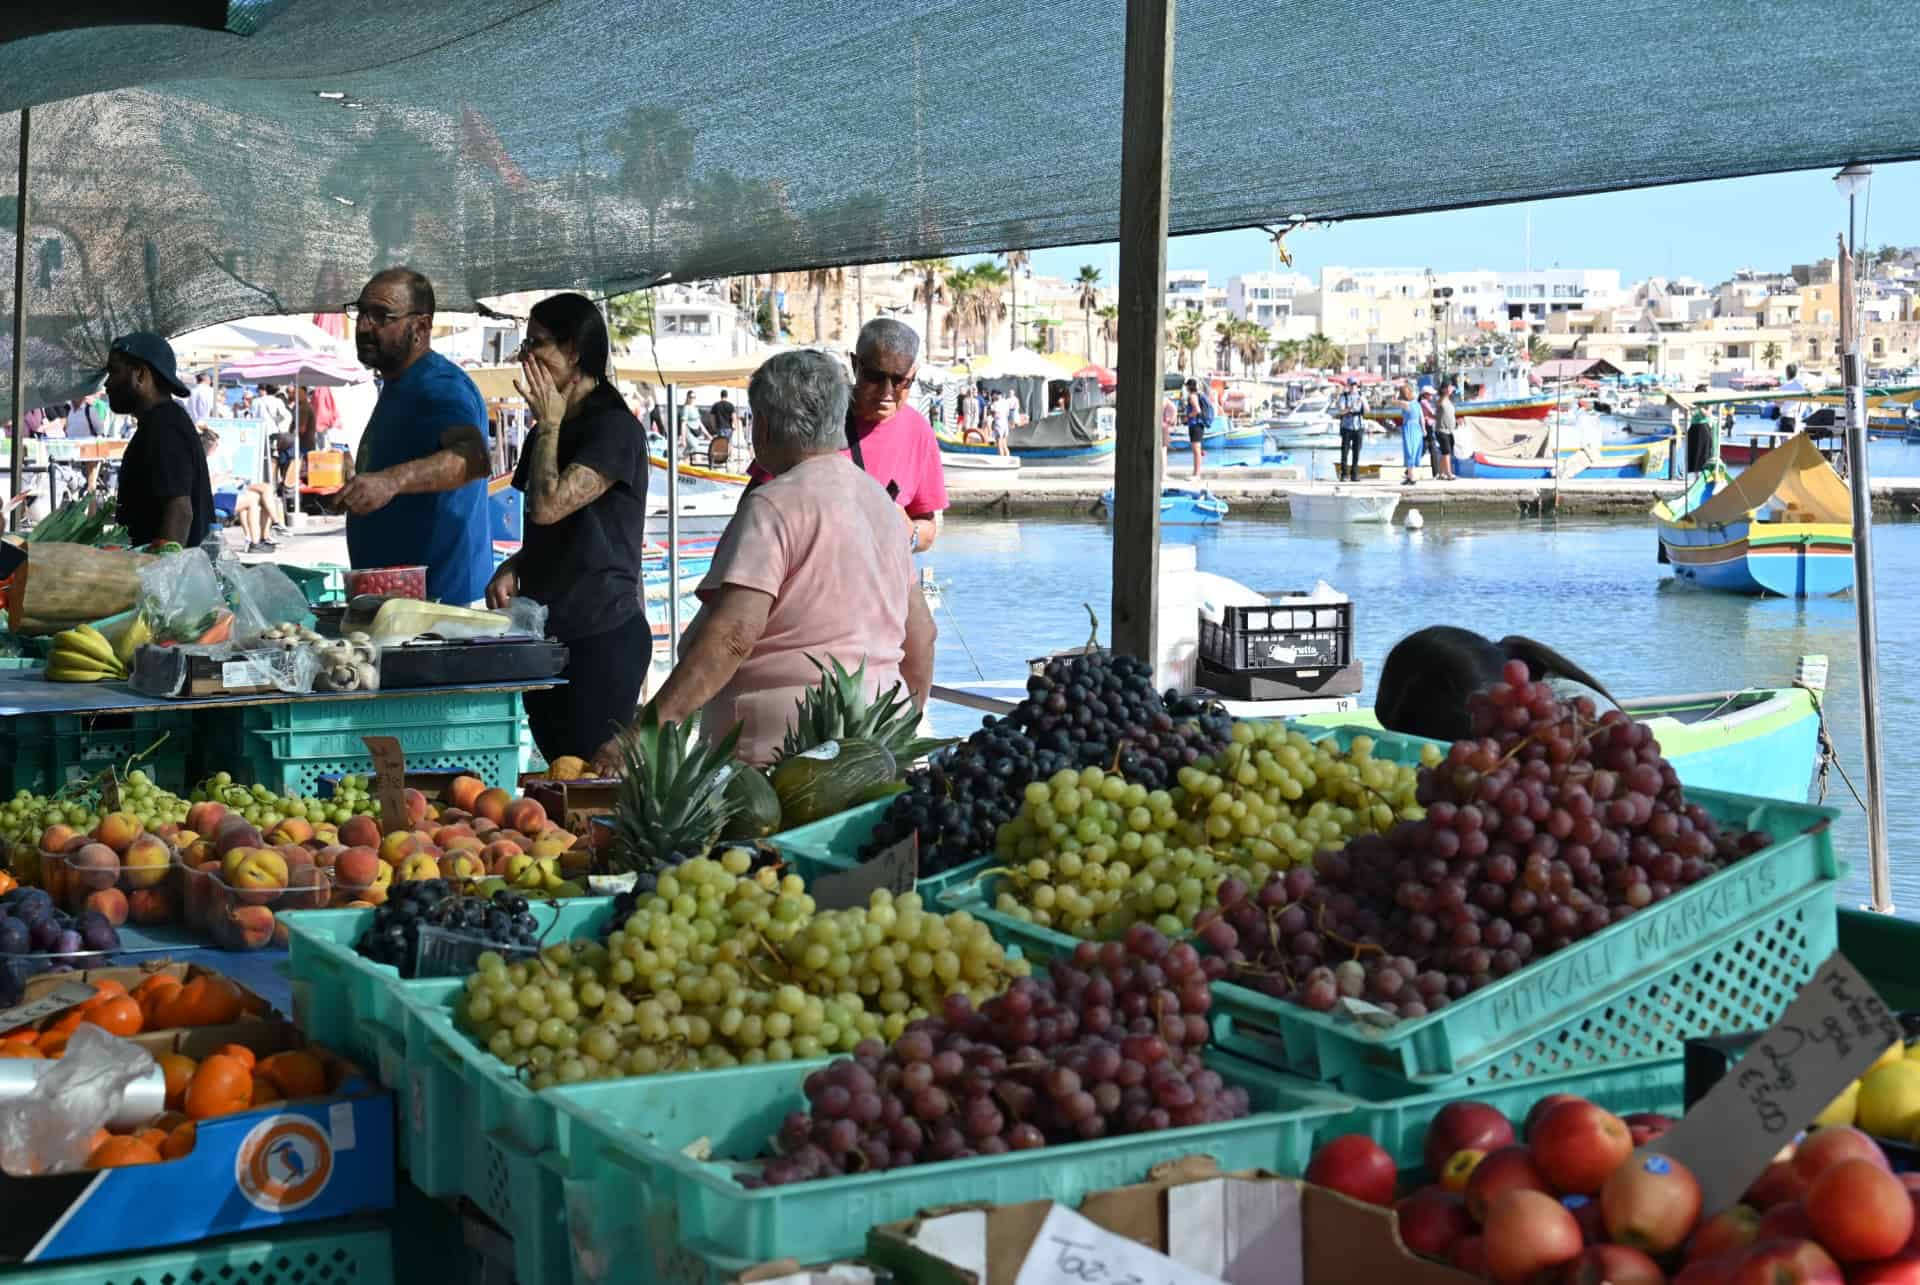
<point>1071,1250</point>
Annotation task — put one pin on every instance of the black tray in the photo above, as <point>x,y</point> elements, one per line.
<point>504,660</point>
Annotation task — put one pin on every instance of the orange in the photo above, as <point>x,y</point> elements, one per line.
<point>239,1053</point>
<point>15,1048</point>
<point>222,1086</point>
<point>179,1070</point>
<point>180,1141</point>
<point>155,1138</point>
<point>117,1152</point>
<point>53,1043</point>
<point>153,993</point>
<point>119,1015</point>
<point>104,989</point>
<point>297,1074</point>
<point>265,1091</point>
<point>207,1000</point>
<point>20,1035</point>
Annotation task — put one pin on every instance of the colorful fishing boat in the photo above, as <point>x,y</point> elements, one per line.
<point>1648,459</point>
<point>1221,433</point>
<point>1059,454</point>
<point>1182,506</point>
<point>1782,527</point>
<point>1501,390</point>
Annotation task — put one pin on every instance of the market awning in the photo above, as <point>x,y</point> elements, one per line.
<point>1560,368</point>
<point>188,176</point>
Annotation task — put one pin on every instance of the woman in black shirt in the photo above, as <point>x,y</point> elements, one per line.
<point>584,472</point>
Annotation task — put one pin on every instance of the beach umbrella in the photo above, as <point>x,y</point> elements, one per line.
<point>1106,377</point>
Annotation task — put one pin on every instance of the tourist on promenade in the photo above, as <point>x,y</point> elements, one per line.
<point>1351,408</point>
<point>1443,426</point>
<point>419,494</point>
<point>1412,431</point>
<point>1199,417</point>
<point>1002,416</point>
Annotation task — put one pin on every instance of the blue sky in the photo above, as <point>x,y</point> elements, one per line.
<point>1701,230</point>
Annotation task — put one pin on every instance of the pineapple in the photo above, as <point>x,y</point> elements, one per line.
<point>836,708</point>
<point>673,800</point>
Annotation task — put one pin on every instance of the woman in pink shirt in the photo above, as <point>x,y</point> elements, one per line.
<point>813,565</point>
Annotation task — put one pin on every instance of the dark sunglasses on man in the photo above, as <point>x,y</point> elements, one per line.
<point>874,375</point>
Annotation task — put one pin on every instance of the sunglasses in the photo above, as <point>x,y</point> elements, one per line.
<point>875,375</point>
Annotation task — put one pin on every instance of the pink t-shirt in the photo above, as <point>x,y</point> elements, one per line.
<point>827,543</point>
<point>900,449</point>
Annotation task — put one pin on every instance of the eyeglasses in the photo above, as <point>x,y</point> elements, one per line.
<point>360,315</point>
<point>530,343</point>
<point>875,375</point>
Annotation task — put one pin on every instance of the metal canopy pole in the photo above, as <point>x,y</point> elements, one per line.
<point>673,530</point>
<point>1146,151</point>
<point>1850,180</point>
<point>21,211</point>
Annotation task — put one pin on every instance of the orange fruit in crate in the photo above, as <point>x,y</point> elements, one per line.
<point>19,1048</point>
<point>155,1138</point>
<point>117,1016</point>
<point>100,1136</point>
<point>297,1074</point>
<point>151,994</point>
<point>7,882</point>
<point>265,1091</point>
<point>116,1153</point>
<point>221,1086</point>
<point>180,1141</point>
<point>207,1000</point>
<point>239,1053</point>
<point>179,1070</point>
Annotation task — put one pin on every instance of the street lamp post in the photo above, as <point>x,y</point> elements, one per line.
<point>1851,182</point>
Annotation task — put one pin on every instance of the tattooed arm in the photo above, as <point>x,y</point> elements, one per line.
<point>553,495</point>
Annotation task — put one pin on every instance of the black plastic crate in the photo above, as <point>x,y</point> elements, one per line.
<point>1279,639</point>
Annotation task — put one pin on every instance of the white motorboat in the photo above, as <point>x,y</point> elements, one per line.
<point>1646,412</point>
<point>1310,418</point>
<point>991,463</point>
<point>706,504</point>
<point>1340,505</point>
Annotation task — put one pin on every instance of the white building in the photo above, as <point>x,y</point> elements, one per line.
<point>1188,290</point>
<point>1532,296</point>
<point>1269,299</point>
<point>692,324</point>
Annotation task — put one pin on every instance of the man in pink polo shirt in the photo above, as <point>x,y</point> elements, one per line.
<point>891,440</point>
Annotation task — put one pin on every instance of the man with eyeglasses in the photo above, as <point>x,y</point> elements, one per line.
<point>419,492</point>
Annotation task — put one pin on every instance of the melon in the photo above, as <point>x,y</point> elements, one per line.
<point>831,778</point>
<point>756,808</point>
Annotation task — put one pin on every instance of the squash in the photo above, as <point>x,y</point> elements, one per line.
<point>64,583</point>
<point>831,778</point>
<point>756,808</point>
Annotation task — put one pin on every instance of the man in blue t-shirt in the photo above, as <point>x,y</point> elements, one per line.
<point>419,494</point>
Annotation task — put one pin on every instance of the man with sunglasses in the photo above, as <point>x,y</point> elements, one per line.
<point>419,492</point>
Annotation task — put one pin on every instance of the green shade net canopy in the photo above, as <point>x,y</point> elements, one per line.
<point>270,163</point>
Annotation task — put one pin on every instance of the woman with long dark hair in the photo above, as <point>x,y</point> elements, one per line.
<point>584,472</point>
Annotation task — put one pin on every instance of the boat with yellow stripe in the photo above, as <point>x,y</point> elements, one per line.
<point>1784,526</point>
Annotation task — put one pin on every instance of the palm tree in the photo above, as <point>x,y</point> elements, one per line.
<point>1089,283</point>
<point>1538,349</point>
<point>1321,353</point>
<point>959,287</point>
<point>1250,341</point>
<point>1223,336</point>
<point>929,287</point>
<point>1187,334</point>
<point>1109,315</point>
<point>821,279</point>
<point>1286,355</point>
<point>989,279</point>
<point>1770,353</point>
<point>1015,260</point>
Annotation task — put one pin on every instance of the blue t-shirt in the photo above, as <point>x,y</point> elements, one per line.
<point>447,531</point>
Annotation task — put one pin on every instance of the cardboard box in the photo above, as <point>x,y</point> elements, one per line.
<point>1316,1236</point>
<point>177,673</point>
<point>255,1008</point>
<point>287,1162</point>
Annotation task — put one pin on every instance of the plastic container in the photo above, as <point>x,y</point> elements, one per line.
<point>836,843</point>
<point>396,582</point>
<point>347,1250</point>
<point>147,894</point>
<point>242,912</point>
<point>42,752</point>
<point>639,1209</point>
<point>1279,638</point>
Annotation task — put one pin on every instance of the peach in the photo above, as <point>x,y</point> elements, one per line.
<point>198,852</point>
<point>150,906</point>
<point>243,928</point>
<point>514,837</point>
<point>118,829</point>
<point>446,834</point>
<point>324,833</point>
<point>397,846</point>
<point>95,866</point>
<point>416,867</point>
<point>493,806</point>
<point>205,818</point>
<point>326,856</point>
<point>463,865</point>
<point>257,876</point>
<point>484,827</point>
<point>496,855</point>
<point>357,904</point>
<point>110,902</point>
<point>310,889</point>
<point>465,843</point>
<point>360,832</point>
<point>416,806</point>
<point>56,838</point>
<point>547,846</point>
<point>463,792</point>
<point>526,816</point>
<point>454,816</point>
<point>357,867</point>
<point>235,833</point>
<point>294,830</point>
<point>147,860</point>
<point>170,831</point>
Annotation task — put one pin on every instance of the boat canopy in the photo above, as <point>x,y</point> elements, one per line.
<point>1796,474</point>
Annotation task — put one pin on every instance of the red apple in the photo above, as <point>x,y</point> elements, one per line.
<point>1614,1265</point>
<point>1541,1107</point>
<point>1786,1262</point>
<point>1860,1212</point>
<point>1779,1185</point>
<point>1469,1254</point>
<point>1786,1221</point>
<point>1903,1269</point>
<point>1577,1145</point>
<point>1586,1212</point>
<point>1527,1233</point>
<point>1647,1125</point>
<point>1431,1220</point>
<point>1508,1169</point>
<point>1729,1230</point>
<point>1650,1203</point>
<point>1354,1165</point>
<point>1464,1126</point>
<point>1825,1148</point>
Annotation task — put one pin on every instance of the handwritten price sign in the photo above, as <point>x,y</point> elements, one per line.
<point>1827,1038</point>
<point>1072,1250</point>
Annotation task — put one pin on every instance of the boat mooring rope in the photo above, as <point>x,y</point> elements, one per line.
<point>1830,757</point>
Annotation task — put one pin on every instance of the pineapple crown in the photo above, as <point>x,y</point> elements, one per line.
<point>836,708</point>
<point>673,799</point>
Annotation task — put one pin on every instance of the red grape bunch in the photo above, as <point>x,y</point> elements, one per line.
<point>1108,1042</point>
<point>1549,825</point>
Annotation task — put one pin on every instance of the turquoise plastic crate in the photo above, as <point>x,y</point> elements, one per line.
<point>836,843</point>
<point>336,1253</point>
<point>289,746</point>
<point>1726,954</point>
<point>338,992</point>
<point>321,585</point>
<point>42,752</point>
<point>641,1210</point>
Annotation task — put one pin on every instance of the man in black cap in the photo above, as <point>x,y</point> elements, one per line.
<point>165,493</point>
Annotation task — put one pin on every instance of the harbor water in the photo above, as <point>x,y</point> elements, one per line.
<point>1591,588</point>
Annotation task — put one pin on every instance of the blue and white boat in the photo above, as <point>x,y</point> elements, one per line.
<point>1222,432</point>
<point>1182,506</point>
<point>1784,526</point>
<point>1626,459</point>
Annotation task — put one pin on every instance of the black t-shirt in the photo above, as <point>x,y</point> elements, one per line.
<point>723,416</point>
<point>586,567</point>
<point>165,460</point>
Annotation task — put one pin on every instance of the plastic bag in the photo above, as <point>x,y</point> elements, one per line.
<point>261,595</point>
<point>180,596</point>
<point>529,618</point>
<point>51,1128</point>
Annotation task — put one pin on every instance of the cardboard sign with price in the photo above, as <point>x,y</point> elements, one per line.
<point>1829,1035</point>
<point>389,781</point>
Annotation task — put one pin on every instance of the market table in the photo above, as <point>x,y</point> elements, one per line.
<point>30,692</point>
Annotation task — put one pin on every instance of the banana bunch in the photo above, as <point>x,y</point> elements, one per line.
<point>83,655</point>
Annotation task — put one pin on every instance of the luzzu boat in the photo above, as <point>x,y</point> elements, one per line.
<point>1632,459</point>
<point>1785,526</point>
<point>1219,433</point>
<point>1183,506</point>
<point>1074,453</point>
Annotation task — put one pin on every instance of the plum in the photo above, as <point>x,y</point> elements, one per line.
<point>97,931</point>
<point>33,911</point>
<point>68,943</point>
<point>20,896</point>
<point>14,937</point>
<point>43,932</point>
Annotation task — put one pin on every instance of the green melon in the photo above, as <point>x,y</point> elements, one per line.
<point>756,808</point>
<point>831,778</point>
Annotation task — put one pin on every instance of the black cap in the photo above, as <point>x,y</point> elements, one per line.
<point>144,345</point>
